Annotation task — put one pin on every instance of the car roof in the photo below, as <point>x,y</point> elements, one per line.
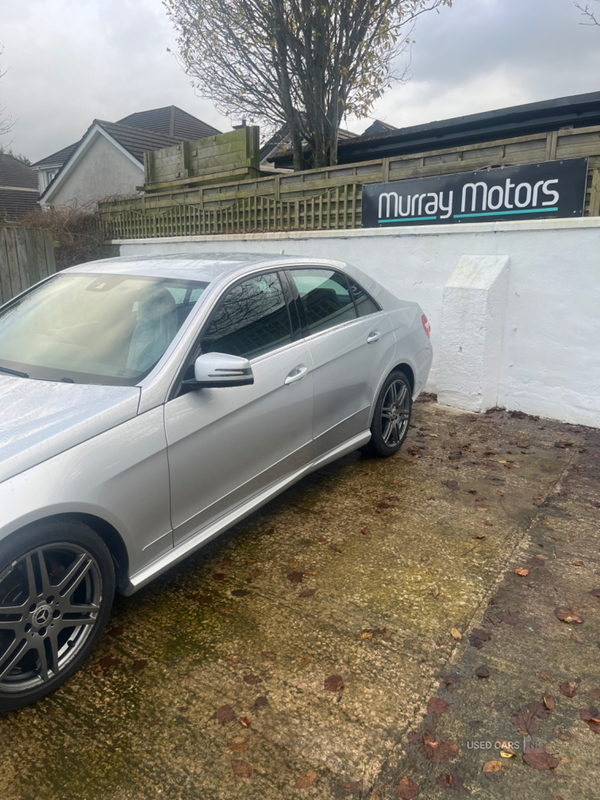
<point>191,266</point>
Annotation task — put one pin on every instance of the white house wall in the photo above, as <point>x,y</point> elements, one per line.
<point>548,362</point>
<point>103,171</point>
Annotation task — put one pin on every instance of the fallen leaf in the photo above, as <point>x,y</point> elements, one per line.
<point>406,789</point>
<point>549,701</point>
<point>108,661</point>
<point>244,722</point>
<point>593,721</point>
<point>523,573</point>
<point>365,635</point>
<point>477,637</point>
<point>509,617</point>
<point>567,689</point>
<point>225,610</point>
<point>453,485</point>
<point>321,539</point>
<point>295,577</point>
<point>456,634</point>
<point>482,672</point>
<point>538,709</point>
<point>433,435</point>
<point>238,744</point>
<point>541,760</point>
<point>565,615</point>
<point>353,787</point>
<point>219,576</point>
<point>241,768</point>
<point>492,766</point>
<point>564,737</point>
<point>365,530</point>
<point>203,599</point>
<point>307,593</point>
<point>269,654</point>
<point>576,638</point>
<point>506,754</point>
<point>306,780</point>
<point>525,722</point>
<point>252,680</point>
<point>241,592</point>
<point>304,661</point>
<point>577,564</point>
<point>497,705</point>
<point>595,694</point>
<point>435,591</point>
<point>436,705</point>
<point>546,677</point>
<point>138,666</point>
<point>387,633</point>
<point>450,781</point>
<point>225,715</point>
<point>438,752</point>
<point>334,683</point>
<point>117,631</point>
<point>260,702</point>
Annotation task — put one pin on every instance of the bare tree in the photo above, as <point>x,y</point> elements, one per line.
<point>5,122</point>
<point>295,62</point>
<point>589,15</point>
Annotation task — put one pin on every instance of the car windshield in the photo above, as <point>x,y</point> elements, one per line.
<point>93,328</point>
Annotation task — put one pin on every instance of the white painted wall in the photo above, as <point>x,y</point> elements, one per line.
<point>102,171</point>
<point>549,360</point>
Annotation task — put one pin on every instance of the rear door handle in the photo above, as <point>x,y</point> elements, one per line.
<point>374,336</point>
<point>296,374</point>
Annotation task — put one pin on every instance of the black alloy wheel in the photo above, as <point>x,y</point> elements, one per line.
<point>57,583</point>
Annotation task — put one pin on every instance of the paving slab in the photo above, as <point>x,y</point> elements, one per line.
<point>321,626</point>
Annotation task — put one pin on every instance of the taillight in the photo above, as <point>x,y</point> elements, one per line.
<point>426,325</point>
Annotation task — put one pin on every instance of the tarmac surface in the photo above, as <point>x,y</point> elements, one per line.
<point>365,635</point>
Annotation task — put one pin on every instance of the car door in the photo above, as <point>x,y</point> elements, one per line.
<point>351,344</point>
<point>226,444</point>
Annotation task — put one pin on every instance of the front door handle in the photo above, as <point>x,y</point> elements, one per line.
<point>374,336</point>
<point>296,374</point>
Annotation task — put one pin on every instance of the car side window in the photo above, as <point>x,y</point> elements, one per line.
<point>325,297</point>
<point>364,304</point>
<point>250,320</point>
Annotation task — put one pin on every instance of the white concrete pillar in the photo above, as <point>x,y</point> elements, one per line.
<point>473,314</point>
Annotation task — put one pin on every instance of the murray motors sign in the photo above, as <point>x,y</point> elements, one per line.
<point>534,191</point>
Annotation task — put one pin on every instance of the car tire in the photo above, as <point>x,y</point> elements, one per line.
<point>57,583</point>
<point>391,416</point>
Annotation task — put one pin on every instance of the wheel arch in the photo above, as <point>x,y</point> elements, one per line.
<point>107,532</point>
<point>408,371</point>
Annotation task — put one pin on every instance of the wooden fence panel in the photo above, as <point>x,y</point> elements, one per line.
<point>330,198</point>
<point>26,257</point>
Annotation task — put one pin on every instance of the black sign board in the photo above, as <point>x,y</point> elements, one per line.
<point>534,191</point>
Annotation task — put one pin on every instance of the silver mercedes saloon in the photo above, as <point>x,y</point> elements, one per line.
<point>150,403</point>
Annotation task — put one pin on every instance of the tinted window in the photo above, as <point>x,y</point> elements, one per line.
<point>325,298</point>
<point>250,320</point>
<point>364,304</point>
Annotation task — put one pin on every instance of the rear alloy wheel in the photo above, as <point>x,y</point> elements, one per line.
<point>391,417</point>
<point>57,583</point>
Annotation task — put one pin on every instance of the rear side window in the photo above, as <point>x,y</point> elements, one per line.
<point>325,297</point>
<point>364,304</point>
<point>250,320</point>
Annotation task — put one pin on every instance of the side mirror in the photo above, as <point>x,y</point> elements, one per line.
<point>219,370</point>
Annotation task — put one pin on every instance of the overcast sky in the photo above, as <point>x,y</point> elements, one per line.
<point>70,61</point>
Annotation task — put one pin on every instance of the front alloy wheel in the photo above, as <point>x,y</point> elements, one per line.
<point>56,589</point>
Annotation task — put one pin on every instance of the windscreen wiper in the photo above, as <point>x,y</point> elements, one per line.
<point>14,372</point>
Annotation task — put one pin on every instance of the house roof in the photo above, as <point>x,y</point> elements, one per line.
<point>15,203</point>
<point>376,128</point>
<point>576,111</point>
<point>15,173</point>
<point>281,140</point>
<point>171,121</point>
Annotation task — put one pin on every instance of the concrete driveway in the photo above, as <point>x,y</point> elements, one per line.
<point>298,655</point>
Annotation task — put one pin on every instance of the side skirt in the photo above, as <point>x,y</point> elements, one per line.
<point>205,535</point>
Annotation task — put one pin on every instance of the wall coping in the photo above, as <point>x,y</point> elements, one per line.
<point>351,233</point>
